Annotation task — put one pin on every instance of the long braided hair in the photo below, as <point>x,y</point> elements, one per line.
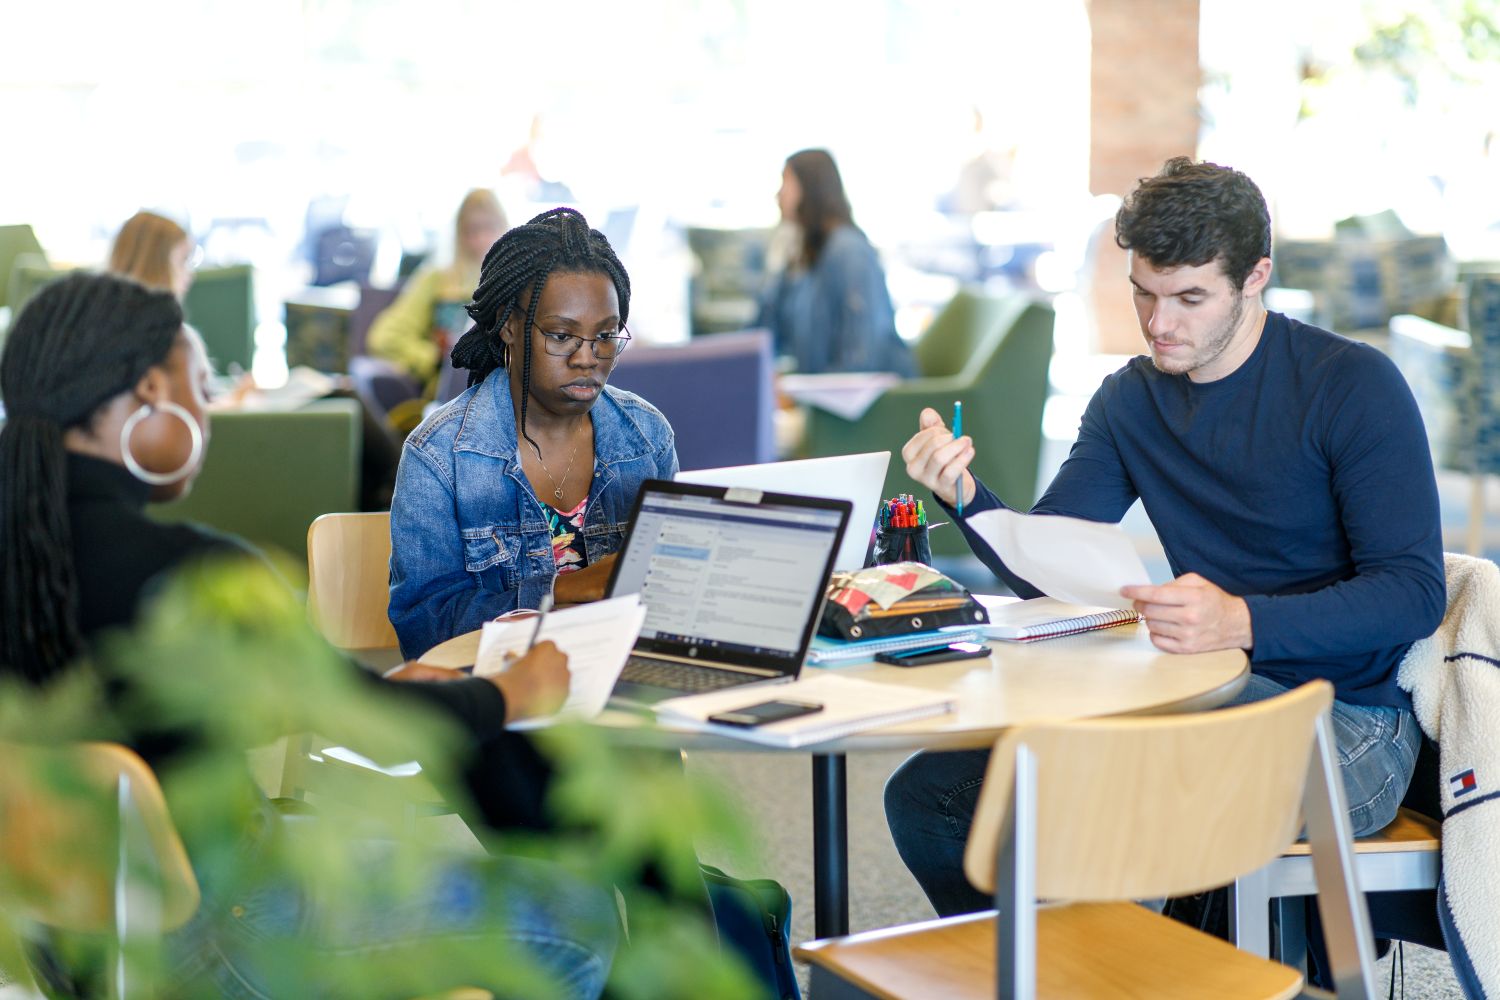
<point>80,341</point>
<point>556,242</point>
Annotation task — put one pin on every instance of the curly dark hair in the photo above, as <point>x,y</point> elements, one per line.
<point>1192,213</point>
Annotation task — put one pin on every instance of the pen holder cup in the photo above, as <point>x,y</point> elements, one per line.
<point>893,545</point>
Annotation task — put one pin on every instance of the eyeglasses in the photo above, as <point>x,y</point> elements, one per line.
<point>606,345</point>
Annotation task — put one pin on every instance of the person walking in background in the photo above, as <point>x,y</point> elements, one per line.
<point>829,309</point>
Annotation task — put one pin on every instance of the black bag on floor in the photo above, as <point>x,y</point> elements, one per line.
<point>754,917</point>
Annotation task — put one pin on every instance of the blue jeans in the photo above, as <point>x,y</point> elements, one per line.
<point>257,943</point>
<point>930,799</point>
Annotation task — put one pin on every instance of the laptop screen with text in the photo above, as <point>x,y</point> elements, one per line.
<point>734,579</point>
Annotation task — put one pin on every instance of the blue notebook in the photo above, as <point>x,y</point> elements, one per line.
<point>825,651</point>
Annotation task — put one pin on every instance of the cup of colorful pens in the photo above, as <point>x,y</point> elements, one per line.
<point>901,532</point>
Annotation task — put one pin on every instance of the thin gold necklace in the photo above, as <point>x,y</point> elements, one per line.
<point>557,488</point>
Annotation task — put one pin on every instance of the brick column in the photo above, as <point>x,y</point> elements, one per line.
<point>1143,109</point>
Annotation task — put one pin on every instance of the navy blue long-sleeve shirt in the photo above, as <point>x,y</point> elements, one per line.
<point>1301,482</point>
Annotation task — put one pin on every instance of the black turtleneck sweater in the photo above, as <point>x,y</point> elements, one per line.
<point>119,553</point>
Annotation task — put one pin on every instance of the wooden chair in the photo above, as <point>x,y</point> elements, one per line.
<point>348,596</point>
<point>87,845</point>
<point>1090,815</point>
<point>348,580</point>
<point>1407,854</point>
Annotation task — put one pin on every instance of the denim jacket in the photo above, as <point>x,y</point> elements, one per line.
<point>469,538</point>
<point>838,316</point>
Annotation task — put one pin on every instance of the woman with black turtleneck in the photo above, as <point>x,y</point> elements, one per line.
<point>105,396</point>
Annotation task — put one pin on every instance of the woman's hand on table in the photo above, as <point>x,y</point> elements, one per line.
<point>584,585</point>
<point>415,670</point>
<point>534,684</point>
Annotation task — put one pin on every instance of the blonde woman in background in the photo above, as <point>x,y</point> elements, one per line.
<point>156,252</point>
<point>420,328</point>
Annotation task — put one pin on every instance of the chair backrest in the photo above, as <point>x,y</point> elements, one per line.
<point>344,254</point>
<point>221,306</point>
<point>348,580</point>
<point>372,302</point>
<point>960,332</point>
<point>1009,375</point>
<point>307,459</point>
<point>28,274</point>
<point>63,812</point>
<point>1138,808</point>
<point>15,241</point>
<point>717,393</point>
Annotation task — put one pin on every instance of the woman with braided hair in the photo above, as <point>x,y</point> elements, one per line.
<point>523,484</point>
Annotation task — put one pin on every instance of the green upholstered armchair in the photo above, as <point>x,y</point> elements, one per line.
<point>14,242</point>
<point>267,474</point>
<point>990,352</point>
<point>221,305</point>
<point>27,275</point>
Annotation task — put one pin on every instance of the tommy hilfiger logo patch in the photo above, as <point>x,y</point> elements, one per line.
<point>1463,783</point>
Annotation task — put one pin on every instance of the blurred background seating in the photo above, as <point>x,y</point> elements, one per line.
<point>269,473</point>
<point>991,352</point>
<point>716,392</point>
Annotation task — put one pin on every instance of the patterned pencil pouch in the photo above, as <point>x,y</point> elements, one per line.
<point>895,599</point>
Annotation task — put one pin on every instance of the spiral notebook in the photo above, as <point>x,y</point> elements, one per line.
<point>1046,618</point>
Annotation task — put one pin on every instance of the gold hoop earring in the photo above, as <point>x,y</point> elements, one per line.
<point>144,474</point>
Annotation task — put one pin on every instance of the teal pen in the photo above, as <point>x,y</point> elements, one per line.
<point>958,431</point>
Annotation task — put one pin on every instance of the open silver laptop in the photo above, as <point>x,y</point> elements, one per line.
<point>856,478</point>
<point>733,582</point>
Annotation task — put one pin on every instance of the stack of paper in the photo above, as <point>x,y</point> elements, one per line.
<point>844,394</point>
<point>849,706</point>
<point>597,637</point>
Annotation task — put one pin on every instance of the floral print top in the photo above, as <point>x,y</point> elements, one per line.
<point>565,528</point>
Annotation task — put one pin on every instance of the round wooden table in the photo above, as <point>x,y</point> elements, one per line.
<point>1107,672</point>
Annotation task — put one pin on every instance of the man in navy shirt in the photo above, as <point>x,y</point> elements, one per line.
<point>1287,473</point>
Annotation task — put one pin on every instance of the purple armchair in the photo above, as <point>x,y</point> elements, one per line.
<point>717,391</point>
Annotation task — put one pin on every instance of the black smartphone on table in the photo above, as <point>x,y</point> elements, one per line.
<point>765,713</point>
<point>922,657</point>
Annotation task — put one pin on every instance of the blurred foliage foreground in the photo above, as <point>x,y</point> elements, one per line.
<point>224,660</point>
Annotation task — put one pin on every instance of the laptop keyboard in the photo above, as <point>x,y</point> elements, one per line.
<point>692,678</point>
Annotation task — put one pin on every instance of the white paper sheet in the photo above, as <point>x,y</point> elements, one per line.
<point>597,637</point>
<point>1081,562</point>
<point>844,394</point>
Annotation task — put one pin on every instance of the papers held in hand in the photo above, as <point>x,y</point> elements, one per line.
<point>597,637</point>
<point>1077,561</point>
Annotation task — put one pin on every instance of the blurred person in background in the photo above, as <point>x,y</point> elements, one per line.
<point>420,328</point>
<point>158,253</point>
<point>829,308</point>
<point>155,251</point>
